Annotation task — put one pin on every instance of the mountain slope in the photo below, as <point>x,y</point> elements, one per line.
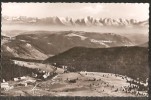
<point>9,70</point>
<point>21,49</point>
<point>41,44</point>
<point>130,61</point>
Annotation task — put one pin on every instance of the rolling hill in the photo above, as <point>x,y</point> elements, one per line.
<point>42,44</point>
<point>130,61</point>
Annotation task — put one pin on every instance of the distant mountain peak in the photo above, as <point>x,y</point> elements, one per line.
<point>87,21</point>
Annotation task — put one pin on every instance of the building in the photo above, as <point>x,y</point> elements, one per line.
<point>6,86</point>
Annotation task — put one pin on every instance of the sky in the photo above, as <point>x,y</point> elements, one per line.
<point>138,11</point>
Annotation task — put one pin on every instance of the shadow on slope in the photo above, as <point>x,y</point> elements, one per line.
<point>130,61</point>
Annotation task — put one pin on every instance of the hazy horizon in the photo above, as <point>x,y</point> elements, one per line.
<point>138,11</point>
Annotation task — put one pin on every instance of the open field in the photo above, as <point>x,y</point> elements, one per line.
<point>77,84</point>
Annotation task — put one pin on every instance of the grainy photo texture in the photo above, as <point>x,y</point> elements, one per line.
<point>74,49</point>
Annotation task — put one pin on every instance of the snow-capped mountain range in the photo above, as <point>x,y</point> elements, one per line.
<point>88,21</point>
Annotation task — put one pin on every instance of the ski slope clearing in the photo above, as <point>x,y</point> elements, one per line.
<point>34,65</point>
